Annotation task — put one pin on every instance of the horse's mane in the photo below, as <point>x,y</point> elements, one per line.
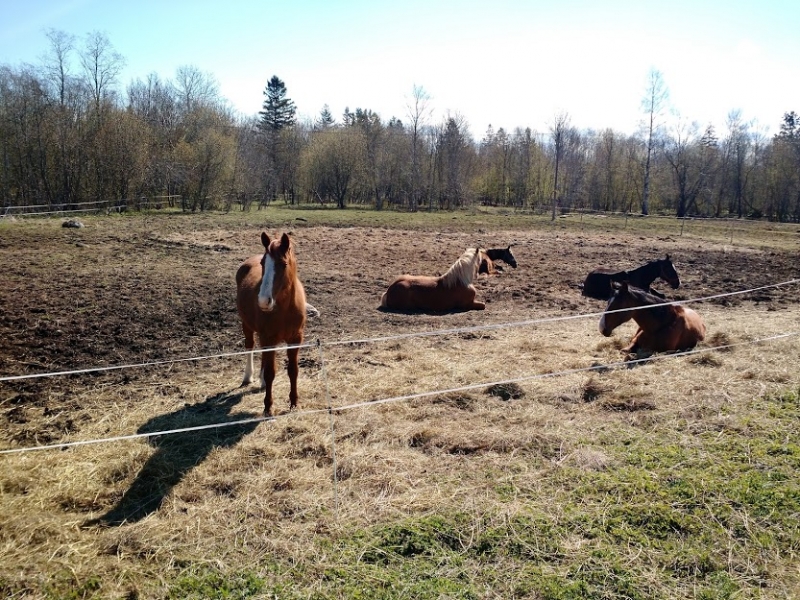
<point>651,268</point>
<point>462,272</point>
<point>647,299</point>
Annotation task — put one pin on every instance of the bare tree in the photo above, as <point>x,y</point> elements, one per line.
<point>56,61</point>
<point>558,134</point>
<point>418,111</point>
<point>193,88</point>
<point>691,156</point>
<point>653,103</point>
<point>102,65</point>
<point>66,115</point>
<point>738,144</point>
<point>520,168</point>
<point>452,152</point>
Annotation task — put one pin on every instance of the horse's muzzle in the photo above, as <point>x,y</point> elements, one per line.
<point>602,327</point>
<point>266,304</point>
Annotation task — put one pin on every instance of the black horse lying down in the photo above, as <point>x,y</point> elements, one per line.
<point>598,283</point>
<point>495,254</point>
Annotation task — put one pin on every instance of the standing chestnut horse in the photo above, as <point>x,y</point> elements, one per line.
<point>272,305</point>
<point>453,291</point>
<point>661,328</point>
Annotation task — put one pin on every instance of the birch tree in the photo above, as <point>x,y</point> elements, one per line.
<point>654,103</point>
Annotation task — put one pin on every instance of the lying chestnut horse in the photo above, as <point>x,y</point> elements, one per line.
<point>598,282</point>
<point>453,291</point>
<point>661,328</point>
<point>272,305</point>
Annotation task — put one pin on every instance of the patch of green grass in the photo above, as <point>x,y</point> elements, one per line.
<point>205,583</point>
<point>711,515</point>
<point>67,586</point>
<point>411,579</point>
<point>427,536</point>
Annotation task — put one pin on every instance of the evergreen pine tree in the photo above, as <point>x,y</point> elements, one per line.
<point>325,119</point>
<point>279,111</point>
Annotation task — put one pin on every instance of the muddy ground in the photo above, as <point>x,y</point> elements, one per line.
<point>138,290</point>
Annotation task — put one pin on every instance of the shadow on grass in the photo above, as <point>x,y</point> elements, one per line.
<point>177,454</point>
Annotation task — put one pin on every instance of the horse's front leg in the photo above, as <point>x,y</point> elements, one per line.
<point>634,344</point>
<point>474,304</point>
<point>293,369</point>
<point>267,377</point>
<point>249,344</point>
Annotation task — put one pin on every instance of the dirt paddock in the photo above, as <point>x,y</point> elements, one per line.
<point>128,291</point>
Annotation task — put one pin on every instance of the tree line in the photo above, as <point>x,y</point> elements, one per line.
<point>70,134</point>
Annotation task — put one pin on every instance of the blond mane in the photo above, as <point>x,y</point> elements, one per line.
<point>463,271</point>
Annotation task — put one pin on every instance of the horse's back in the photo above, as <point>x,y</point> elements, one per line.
<point>694,328</point>
<point>407,291</point>
<point>686,331</point>
<point>248,280</point>
<point>597,284</point>
<point>422,293</point>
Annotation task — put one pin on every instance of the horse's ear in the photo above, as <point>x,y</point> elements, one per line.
<point>668,258</point>
<point>265,239</point>
<point>286,242</point>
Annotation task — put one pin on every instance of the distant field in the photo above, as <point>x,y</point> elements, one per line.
<point>518,456</point>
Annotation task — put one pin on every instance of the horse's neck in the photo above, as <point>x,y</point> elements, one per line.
<point>653,318</point>
<point>645,275</point>
<point>290,283</point>
<point>461,273</point>
<point>496,253</point>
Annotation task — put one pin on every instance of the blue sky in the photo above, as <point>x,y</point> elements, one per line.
<point>507,63</point>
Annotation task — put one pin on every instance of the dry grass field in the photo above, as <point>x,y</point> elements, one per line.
<point>517,454</point>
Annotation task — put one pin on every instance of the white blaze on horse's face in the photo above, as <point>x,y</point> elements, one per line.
<point>266,300</point>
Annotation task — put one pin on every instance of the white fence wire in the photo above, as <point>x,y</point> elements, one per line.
<point>376,402</point>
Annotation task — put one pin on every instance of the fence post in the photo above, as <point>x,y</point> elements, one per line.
<point>333,429</point>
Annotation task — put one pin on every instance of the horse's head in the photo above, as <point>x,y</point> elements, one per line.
<point>621,299</point>
<point>503,254</point>
<point>508,258</point>
<point>279,267</point>
<point>668,273</point>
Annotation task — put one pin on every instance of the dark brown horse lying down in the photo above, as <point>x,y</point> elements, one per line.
<point>453,291</point>
<point>598,283</point>
<point>488,265</point>
<point>661,328</point>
